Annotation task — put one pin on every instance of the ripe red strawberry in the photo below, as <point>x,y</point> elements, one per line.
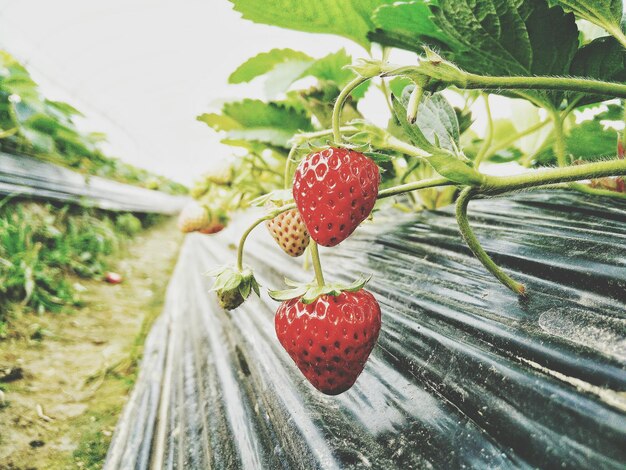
<point>335,190</point>
<point>331,338</point>
<point>289,232</point>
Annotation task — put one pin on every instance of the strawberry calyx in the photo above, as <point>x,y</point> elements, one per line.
<point>219,215</point>
<point>311,291</point>
<point>363,144</point>
<point>232,286</point>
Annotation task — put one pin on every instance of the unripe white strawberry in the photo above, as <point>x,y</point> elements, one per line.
<point>196,217</point>
<point>221,175</point>
<point>289,232</point>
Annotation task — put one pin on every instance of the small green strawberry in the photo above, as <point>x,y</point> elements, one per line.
<point>230,299</point>
<point>232,286</point>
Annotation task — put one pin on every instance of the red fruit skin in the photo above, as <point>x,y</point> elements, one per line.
<point>113,278</point>
<point>335,190</point>
<point>212,228</point>
<point>331,338</point>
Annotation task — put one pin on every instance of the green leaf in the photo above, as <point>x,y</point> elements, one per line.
<point>64,108</point>
<point>258,114</point>
<point>602,59</point>
<point>224,276</point>
<point>221,280</point>
<point>436,121</point>
<point>356,285</point>
<point>282,77</point>
<point>265,62</point>
<point>244,288</point>
<point>312,294</point>
<point>309,292</point>
<point>292,283</point>
<point>604,13</point>
<point>348,18</point>
<point>506,155</point>
<point>510,37</point>
<point>255,287</point>
<point>589,140</point>
<point>219,122</point>
<point>318,101</point>
<point>503,129</point>
<point>288,294</point>
<point>232,282</point>
<point>277,137</point>
<point>378,157</point>
<point>331,68</point>
<point>256,121</point>
<point>71,138</point>
<point>398,84</point>
<point>412,20</point>
<point>492,37</point>
<point>40,141</point>
<point>14,78</point>
<point>42,123</point>
<point>465,119</point>
<point>454,169</point>
<point>283,67</point>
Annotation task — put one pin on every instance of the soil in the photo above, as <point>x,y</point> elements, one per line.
<point>64,378</point>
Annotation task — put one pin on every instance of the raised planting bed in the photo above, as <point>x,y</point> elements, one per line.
<point>33,178</point>
<point>465,374</point>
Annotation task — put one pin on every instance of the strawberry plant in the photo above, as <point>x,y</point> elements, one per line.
<point>531,54</point>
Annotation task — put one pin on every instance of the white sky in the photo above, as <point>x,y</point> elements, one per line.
<point>142,70</point>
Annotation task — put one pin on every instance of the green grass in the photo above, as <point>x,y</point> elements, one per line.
<point>42,245</point>
<point>94,443</point>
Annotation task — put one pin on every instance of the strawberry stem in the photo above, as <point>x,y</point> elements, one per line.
<point>583,188</point>
<point>317,265</point>
<point>423,184</point>
<point>306,136</point>
<point>341,99</point>
<point>474,245</point>
<point>559,147</point>
<point>242,240</point>
<point>560,150</point>
<point>484,149</point>
<point>292,151</point>
<point>504,184</point>
<point>393,143</point>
